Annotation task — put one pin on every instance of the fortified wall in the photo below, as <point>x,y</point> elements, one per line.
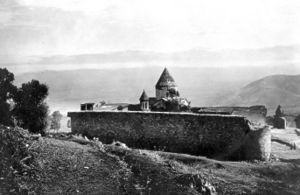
<point>215,136</point>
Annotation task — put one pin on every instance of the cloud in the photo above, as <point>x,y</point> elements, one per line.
<point>9,4</point>
<point>68,27</point>
<point>34,30</point>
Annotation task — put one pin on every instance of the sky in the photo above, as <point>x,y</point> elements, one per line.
<point>30,29</point>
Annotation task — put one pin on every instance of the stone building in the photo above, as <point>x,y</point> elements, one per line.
<point>144,102</point>
<point>167,97</point>
<point>87,106</point>
<point>297,121</point>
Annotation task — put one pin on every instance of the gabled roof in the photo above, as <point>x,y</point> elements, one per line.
<point>144,96</point>
<point>165,80</point>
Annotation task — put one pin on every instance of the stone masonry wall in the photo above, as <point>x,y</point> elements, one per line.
<point>210,135</point>
<point>258,144</point>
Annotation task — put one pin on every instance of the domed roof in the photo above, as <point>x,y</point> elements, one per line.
<point>165,80</point>
<point>144,96</point>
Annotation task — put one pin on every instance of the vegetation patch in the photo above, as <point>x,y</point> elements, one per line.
<point>16,160</point>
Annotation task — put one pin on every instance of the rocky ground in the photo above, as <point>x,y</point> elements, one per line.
<point>65,164</point>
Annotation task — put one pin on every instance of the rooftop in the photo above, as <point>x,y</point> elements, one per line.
<point>144,96</point>
<point>165,80</point>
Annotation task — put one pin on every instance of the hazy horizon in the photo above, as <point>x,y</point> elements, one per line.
<point>70,34</point>
<point>274,57</point>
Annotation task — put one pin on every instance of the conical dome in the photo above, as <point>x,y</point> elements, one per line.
<point>144,96</point>
<point>165,80</point>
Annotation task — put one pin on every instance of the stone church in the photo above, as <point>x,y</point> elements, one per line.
<point>167,96</point>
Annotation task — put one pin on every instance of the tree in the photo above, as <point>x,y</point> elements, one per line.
<point>30,110</point>
<point>7,89</point>
<point>56,117</point>
<point>279,113</point>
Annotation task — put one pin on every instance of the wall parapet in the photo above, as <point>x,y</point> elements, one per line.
<point>155,112</point>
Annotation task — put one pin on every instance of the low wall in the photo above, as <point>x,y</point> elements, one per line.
<point>210,135</point>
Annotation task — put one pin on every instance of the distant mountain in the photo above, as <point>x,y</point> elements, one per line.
<point>270,91</point>
<point>277,57</point>
<point>192,57</point>
<point>203,86</point>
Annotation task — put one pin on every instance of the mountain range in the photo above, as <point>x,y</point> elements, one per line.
<point>270,91</point>
<point>238,86</point>
<point>277,57</point>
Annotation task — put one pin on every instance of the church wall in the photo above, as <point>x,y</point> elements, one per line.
<point>161,93</point>
<point>216,136</point>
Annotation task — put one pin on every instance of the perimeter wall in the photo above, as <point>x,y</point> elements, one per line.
<point>216,136</point>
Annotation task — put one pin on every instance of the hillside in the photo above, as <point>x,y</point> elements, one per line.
<point>271,91</point>
<point>68,164</point>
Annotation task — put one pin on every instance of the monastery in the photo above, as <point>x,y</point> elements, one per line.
<point>167,98</point>
<point>167,121</point>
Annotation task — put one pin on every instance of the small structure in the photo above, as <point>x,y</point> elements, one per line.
<point>102,106</point>
<point>144,102</point>
<point>87,106</point>
<point>279,121</point>
<point>111,107</point>
<point>297,121</point>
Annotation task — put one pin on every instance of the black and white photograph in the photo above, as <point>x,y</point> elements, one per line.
<point>149,97</point>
